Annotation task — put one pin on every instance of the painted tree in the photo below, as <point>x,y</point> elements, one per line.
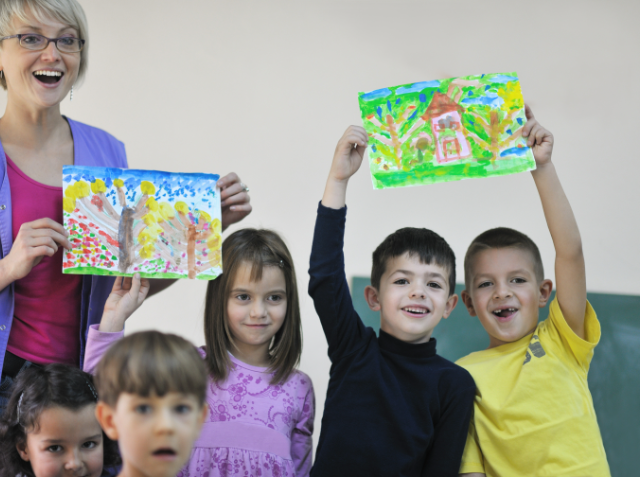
<point>176,232</point>
<point>496,129</point>
<point>117,227</point>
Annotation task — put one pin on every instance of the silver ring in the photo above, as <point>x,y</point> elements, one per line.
<point>244,187</point>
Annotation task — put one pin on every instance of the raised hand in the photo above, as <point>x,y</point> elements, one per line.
<point>34,241</point>
<point>126,297</point>
<point>538,138</point>
<point>347,159</point>
<point>349,153</point>
<point>234,196</point>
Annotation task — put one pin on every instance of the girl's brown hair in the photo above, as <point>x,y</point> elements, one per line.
<point>259,248</point>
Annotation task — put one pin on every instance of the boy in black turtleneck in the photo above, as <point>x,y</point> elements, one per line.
<point>394,407</point>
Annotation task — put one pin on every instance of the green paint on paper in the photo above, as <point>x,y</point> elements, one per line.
<point>440,131</point>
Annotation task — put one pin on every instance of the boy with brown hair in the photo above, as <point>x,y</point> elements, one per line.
<point>151,389</point>
<point>533,413</point>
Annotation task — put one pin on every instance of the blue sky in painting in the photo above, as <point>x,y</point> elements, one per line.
<point>196,189</point>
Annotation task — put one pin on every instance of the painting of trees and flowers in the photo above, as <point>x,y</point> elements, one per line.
<point>445,130</point>
<point>159,224</point>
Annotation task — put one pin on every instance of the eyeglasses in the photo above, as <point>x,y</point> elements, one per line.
<point>31,41</point>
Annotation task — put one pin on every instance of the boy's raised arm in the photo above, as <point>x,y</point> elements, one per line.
<point>346,161</point>
<point>571,285</point>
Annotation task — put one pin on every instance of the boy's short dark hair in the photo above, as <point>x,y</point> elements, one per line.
<point>502,237</point>
<point>151,362</point>
<point>427,245</point>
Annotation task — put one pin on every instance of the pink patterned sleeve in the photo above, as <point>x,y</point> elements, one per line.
<point>98,342</point>
<point>301,437</point>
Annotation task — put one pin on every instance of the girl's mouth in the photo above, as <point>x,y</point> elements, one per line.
<point>48,77</point>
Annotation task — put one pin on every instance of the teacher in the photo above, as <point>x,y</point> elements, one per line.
<point>45,315</point>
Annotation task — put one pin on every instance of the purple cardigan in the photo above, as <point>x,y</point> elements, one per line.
<point>91,147</point>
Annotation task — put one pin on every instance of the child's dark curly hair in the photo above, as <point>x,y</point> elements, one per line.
<point>36,389</point>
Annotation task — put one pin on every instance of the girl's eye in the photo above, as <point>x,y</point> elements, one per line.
<point>401,281</point>
<point>243,297</point>
<point>183,408</point>
<point>434,285</point>
<point>275,298</point>
<point>54,448</point>
<point>484,284</point>
<point>90,444</point>
<point>519,280</point>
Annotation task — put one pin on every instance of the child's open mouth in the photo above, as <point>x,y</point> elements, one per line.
<point>165,453</point>
<point>505,313</point>
<point>417,311</point>
<point>48,77</point>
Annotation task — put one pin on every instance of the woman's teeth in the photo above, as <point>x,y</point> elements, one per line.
<point>47,73</point>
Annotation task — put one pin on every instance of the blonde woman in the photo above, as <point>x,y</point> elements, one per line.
<point>44,315</point>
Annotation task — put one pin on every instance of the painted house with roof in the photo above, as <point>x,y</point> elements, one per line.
<point>445,117</point>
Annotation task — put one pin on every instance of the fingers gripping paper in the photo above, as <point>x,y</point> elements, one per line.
<point>123,221</point>
<point>446,130</point>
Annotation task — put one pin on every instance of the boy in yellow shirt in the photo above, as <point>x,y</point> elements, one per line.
<point>533,413</point>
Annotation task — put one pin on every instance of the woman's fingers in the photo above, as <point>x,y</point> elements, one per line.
<point>237,199</point>
<point>228,180</point>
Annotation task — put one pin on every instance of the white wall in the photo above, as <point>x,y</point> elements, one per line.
<point>266,88</point>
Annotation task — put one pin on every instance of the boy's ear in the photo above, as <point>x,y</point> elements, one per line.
<point>105,417</point>
<point>373,300</point>
<point>452,301</point>
<point>468,302</point>
<point>23,451</point>
<point>546,287</point>
<point>205,413</point>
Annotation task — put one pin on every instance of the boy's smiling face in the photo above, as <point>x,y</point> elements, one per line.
<point>412,298</point>
<point>504,293</point>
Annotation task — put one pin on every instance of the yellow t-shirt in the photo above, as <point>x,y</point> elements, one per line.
<point>533,412</point>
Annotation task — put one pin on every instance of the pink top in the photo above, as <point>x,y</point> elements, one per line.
<point>253,428</point>
<point>47,303</point>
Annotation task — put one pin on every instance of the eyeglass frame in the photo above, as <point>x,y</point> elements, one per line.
<point>49,40</point>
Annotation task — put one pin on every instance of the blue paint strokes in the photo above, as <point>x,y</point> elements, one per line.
<point>379,111</point>
<point>470,93</point>
<point>519,121</point>
<point>389,107</point>
<point>415,87</point>
<point>486,88</point>
<point>398,101</point>
<point>503,79</point>
<point>415,113</point>
<point>374,148</point>
<point>517,151</point>
<point>377,94</point>
<point>509,131</point>
<point>422,98</point>
<point>490,99</point>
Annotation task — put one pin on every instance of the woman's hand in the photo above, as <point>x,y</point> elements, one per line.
<point>126,297</point>
<point>234,196</point>
<point>35,240</point>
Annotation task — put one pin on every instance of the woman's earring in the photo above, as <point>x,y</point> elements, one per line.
<point>71,94</point>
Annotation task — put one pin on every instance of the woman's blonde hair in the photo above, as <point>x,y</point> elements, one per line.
<point>68,12</point>
<point>258,248</point>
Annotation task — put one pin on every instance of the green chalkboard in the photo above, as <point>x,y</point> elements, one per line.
<point>614,376</point>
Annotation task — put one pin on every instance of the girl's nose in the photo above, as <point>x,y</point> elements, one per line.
<point>74,462</point>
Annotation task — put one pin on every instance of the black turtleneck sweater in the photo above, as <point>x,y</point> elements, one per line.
<point>392,408</point>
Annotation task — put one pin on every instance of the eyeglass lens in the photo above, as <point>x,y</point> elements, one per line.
<point>38,42</point>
